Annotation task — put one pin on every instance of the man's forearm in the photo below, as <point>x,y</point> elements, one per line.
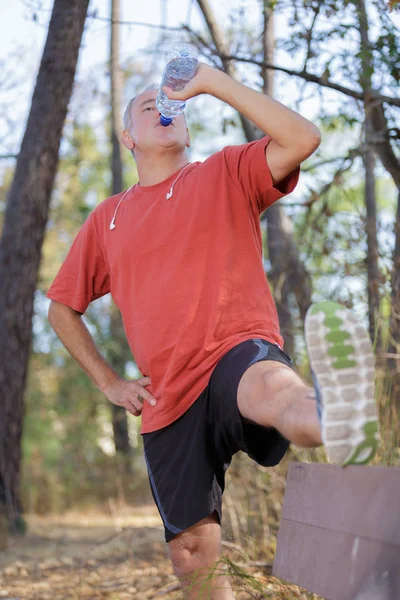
<point>75,336</point>
<point>286,127</point>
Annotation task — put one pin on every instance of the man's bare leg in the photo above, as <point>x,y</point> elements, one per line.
<point>272,394</point>
<point>194,555</point>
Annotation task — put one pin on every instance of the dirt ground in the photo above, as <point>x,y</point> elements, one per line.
<point>80,556</point>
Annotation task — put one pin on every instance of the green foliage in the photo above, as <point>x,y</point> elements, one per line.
<point>338,122</point>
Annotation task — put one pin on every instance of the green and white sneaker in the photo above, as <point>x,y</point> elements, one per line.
<point>342,364</point>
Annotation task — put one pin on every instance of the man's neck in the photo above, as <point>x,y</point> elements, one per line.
<point>155,170</point>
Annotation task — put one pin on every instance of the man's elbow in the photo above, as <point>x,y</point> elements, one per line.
<point>50,312</point>
<point>311,143</point>
<point>315,138</point>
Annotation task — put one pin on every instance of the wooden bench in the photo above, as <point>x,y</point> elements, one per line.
<point>340,531</point>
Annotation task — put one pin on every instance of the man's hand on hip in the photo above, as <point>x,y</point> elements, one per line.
<point>129,394</point>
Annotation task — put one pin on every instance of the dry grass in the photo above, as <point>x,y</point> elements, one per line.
<point>126,556</point>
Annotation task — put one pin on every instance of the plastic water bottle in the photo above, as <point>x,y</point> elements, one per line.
<point>181,68</point>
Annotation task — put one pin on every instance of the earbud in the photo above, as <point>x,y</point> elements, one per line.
<point>171,191</point>
<point>112,224</point>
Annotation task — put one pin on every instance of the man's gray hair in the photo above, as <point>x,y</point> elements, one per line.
<point>127,118</point>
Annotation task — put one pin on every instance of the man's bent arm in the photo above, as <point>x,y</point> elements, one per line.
<point>73,333</point>
<point>294,138</point>
<point>286,127</point>
<point>68,325</point>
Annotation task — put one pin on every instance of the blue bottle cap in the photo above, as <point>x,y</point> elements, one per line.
<point>165,121</point>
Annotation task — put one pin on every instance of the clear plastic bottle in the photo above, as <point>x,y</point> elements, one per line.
<point>181,68</point>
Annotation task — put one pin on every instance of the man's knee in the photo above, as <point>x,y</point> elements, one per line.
<point>260,390</point>
<point>196,549</point>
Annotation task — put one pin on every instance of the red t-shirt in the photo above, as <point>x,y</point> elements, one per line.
<point>186,273</point>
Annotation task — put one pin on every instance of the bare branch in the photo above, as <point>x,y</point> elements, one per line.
<point>320,164</point>
<point>323,193</point>
<point>309,37</point>
<point>322,81</point>
<point>221,48</point>
<point>203,43</point>
<point>139,23</point>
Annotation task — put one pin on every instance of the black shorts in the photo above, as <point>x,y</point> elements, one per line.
<point>187,460</point>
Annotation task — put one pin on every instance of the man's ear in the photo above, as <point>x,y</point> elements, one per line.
<point>127,140</point>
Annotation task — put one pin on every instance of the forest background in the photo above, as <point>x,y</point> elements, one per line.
<point>63,447</point>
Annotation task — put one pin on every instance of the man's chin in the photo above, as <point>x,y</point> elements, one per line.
<point>171,144</point>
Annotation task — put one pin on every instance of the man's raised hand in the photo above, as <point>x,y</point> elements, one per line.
<point>204,82</point>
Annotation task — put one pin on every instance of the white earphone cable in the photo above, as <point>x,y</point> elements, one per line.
<point>112,224</point>
<point>167,197</point>
<point>171,191</point>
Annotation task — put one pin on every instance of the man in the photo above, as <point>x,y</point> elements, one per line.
<point>181,254</point>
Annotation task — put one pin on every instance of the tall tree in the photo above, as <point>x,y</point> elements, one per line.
<point>367,69</point>
<point>394,323</point>
<point>24,227</point>
<point>117,353</point>
<point>288,274</point>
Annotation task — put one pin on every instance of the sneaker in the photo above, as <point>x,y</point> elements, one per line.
<point>342,365</point>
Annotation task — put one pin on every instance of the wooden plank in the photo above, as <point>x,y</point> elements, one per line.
<point>340,532</point>
<point>360,500</point>
<point>335,565</point>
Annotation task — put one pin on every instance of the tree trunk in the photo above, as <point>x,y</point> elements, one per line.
<point>370,190</point>
<point>24,227</point>
<point>282,250</point>
<point>372,246</point>
<point>117,356</point>
<point>277,240</point>
<point>381,140</point>
<point>394,323</point>
<point>384,150</point>
<point>279,274</point>
<point>377,131</point>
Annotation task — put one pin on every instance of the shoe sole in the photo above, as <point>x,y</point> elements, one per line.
<point>342,359</point>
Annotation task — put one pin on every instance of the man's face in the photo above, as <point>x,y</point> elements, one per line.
<point>146,133</point>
